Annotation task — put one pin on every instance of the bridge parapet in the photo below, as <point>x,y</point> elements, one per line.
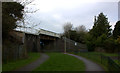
<point>45,32</point>
<point>38,32</point>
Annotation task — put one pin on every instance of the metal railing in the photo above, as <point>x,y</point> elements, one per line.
<point>106,61</point>
<point>109,63</point>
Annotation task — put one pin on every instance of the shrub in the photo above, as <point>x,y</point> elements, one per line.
<point>109,45</point>
<point>90,42</point>
<point>100,40</point>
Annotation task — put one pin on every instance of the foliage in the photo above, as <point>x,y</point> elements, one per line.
<point>77,34</point>
<point>81,33</point>
<point>67,27</point>
<point>11,13</point>
<point>90,41</point>
<point>100,40</point>
<point>118,44</point>
<point>118,40</point>
<point>73,35</point>
<point>101,26</point>
<point>99,33</point>
<point>109,44</point>
<point>116,31</point>
<point>81,29</point>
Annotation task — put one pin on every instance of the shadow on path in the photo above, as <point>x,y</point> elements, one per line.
<point>90,66</point>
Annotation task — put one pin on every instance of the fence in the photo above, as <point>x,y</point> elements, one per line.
<point>119,57</point>
<point>64,43</point>
<point>106,61</point>
<point>13,47</point>
<point>109,63</point>
<point>12,52</point>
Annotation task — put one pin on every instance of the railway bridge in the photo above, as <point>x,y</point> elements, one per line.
<point>40,40</point>
<point>47,41</point>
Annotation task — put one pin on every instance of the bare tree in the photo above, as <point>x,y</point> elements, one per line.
<point>26,22</point>
<point>81,29</point>
<point>81,33</point>
<point>67,27</point>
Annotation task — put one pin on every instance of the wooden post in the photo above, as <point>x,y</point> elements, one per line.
<point>65,45</point>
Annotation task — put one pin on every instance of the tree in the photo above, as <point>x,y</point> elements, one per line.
<point>73,35</point>
<point>101,26</point>
<point>118,40</point>
<point>116,31</point>
<point>77,34</point>
<point>80,29</point>
<point>81,33</point>
<point>110,45</point>
<point>11,13</point>
<point>90,42</point>
<point>67,27</point>
<point>100,40</point>
<point>100,31</point>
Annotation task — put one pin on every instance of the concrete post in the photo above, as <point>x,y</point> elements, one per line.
<point>38,43</point>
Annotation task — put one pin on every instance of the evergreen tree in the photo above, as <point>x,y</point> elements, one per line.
<point>116,31</point>
<point>101,26</point>
<point>100,31</point>
<point>11,13</point>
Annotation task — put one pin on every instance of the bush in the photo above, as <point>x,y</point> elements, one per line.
<point>90,42</point>
<point>100,40</point>
<point>109,45</point>
<point>117,46</point>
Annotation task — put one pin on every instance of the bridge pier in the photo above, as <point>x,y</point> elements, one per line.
<point>38,43</point>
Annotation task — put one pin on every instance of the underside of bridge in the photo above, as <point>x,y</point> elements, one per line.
<point>47,42</point>
<point>40,43</point>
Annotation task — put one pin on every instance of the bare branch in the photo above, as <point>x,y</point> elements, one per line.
<point>68,26</point>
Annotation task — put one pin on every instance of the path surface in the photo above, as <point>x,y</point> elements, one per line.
<point>90,66</point>
<point>35,64</point>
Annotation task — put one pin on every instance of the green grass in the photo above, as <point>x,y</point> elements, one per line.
<point>19,63</point>
<point>95,57</point>
<point>0,68</point>
<point>117,61</point>
<point>61,62</point>
<point>106,54</point>
<point>109,54</point>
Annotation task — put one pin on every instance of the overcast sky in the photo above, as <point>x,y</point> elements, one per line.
<point>53,14</point>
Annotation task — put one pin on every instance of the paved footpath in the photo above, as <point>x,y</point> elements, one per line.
<point>90,66</point>
<point>35,64</point>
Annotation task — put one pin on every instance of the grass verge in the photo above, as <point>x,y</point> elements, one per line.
<point>61,62</point>
<point>103,60</point>
<point>106,54</point>
<point>19,63</point>
<point>93,56</point>
<point>117,61</point>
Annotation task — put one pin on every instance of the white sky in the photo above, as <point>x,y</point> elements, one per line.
<point>52,14</point>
